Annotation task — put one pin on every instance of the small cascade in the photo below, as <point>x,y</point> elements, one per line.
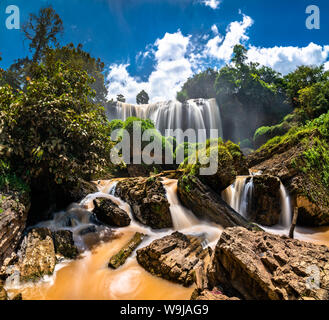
<point>182,217</point>
<point>198,114</point>
<point>286,213</point>
<point>238,195</point>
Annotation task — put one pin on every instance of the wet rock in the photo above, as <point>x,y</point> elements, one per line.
<point>206,204</point>
<point>13,215</point>
<point>148,201</point>
<point>262,266</point>
<point>109,213</point>
<point>174,257</point>
<point>37,255</point>
<point>307,192</point>
<point>214,294</point>
<point>3,292</point>
<point>64,244</point>
<point>87,230</point>
<point>230,163</point>
<point>265,203</point>
<point>120,258</point>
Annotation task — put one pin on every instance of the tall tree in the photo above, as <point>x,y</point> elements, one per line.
<point>42,30</point>
<point>78,59</point>
<point>121,98</point>
<point>142,98</point>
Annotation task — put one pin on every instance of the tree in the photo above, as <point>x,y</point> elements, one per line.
<point>199,86</point>
<point>142,98</point>
<point>78,59</point>
<point>301,78</point>
<point>240,55</point>
<point>121,98</point>
<point>42,31</point>
<point>53,131</point>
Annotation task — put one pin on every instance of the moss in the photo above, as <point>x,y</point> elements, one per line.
<point>313,161</point>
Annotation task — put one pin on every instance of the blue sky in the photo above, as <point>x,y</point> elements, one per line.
<point>157,44</point>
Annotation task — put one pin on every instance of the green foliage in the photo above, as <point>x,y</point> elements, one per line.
<point>142,98</point>
<point>77,59</point>
<point>9,181</point>
<point>303,77</point>
<point>314,138</point>
<point>53,128</point>
<point>199,86</point>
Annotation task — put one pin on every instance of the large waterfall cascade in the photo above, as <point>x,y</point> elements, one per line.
<point>197,114</point>
<point>239,196</point>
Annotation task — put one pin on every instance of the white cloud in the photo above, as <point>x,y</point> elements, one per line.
<point>286,59</point>
<point>177,57</point>
<point>171,71</point>
<point>222,48</point>
<point>214,4</point>
<point>214,29</point>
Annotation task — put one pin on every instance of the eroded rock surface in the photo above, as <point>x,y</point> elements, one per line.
<point>262,266</point>
<point>148,201</point>
<point>37,255</point>
<point>13,216</point>
<point>307,193</point>
<point>206,204</point>
<point>174,257</point>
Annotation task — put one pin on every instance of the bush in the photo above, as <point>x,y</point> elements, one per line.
<point>53,128</point>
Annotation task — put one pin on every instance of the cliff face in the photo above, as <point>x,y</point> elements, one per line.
<point>14,208</point>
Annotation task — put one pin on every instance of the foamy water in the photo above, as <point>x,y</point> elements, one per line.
<point>90,278</point>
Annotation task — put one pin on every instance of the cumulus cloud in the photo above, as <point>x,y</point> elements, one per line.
<point>214,4</point>
<point>286,59</point>
<point>222,48</point>
<point>177,57</point>
<point>171,71</point>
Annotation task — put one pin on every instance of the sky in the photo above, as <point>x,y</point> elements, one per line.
<point>156,45</point>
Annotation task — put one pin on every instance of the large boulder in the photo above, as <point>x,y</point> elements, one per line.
<point>148,201</point>
<point>207,204</point>
<point>264,206</point>
<point>262,266</point>
<point>230,163</point>
<point>174,257</point>
<point>286,160</point>
<point>13,215</point>
<point>109,213</point>
<point>37,255</point>
<point>64,244</point>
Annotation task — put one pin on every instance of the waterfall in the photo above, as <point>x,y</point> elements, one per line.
<point>239,197</point>
<point>286,213</point>
<point>197,114</point>
<point>182,218</point>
